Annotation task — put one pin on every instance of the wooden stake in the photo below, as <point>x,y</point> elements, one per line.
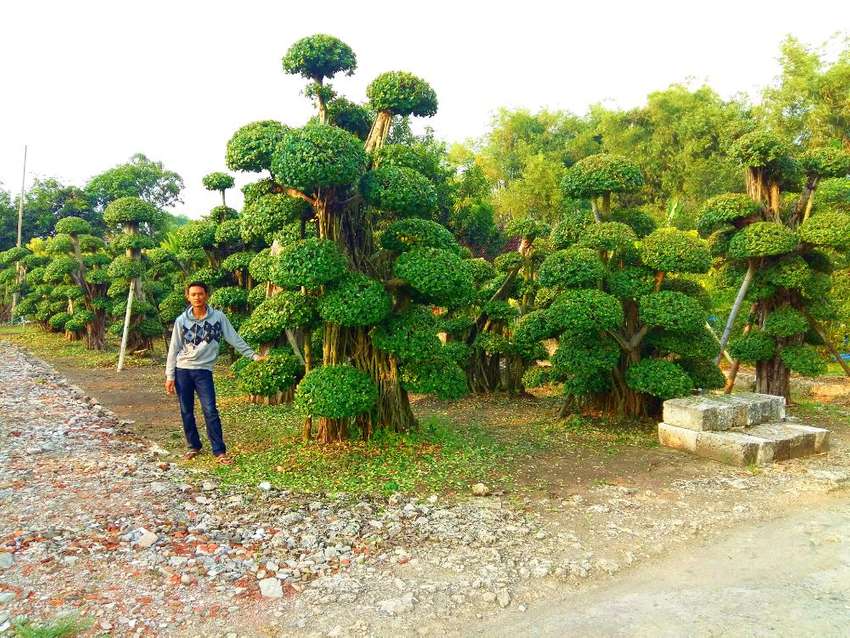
<point>736,307</point>
<point>126,325</point>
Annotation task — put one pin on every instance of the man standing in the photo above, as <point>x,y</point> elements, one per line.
<point>188,369</point>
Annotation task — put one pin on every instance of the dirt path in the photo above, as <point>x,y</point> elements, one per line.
<point>788,577</point>
<point>96,521</point>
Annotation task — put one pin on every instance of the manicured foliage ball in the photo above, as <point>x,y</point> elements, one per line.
<point>506,262</point>
<point>355,300</point>
<point>59,268</point>
<point>804,360</point>
<point>826,162</point>
<point>723,209</point>
<point>660,378</point>
<point>456,351</point>
<point>498,310</point>
<point>608,236</point>
<point>409,335</point>
<point>599,174</point>
<point>758,148</point>
<point>251,147</point>
<point>631,282</point>
<point>640,222</point>
<point>785,322</point>
<point>570,228</point>
<point>585,310</point>
<point>762,239</point>
<point>586,356</point>
<point>416,156</point>
<point>131,210</point>
<point>99,276</point>
<point>171,306</point>
<point>336,392</point>
<point>291,309</point>
<point>347,115</point>
<point>218,181</point>
<point>456,327</point>
<point>703,373</point>
<point>533,327</point>
<point>443,378</point>
<point>407,234</point>
<point>58,321</point>
<point>399,190</point>
<point>696,344</point>
<point>13,255</point>
<point>438,275</point>
<point>528,228</point>
<point>220,214</point>
<point>262,265</point>
<point>237,261</point>
<point>671,310</point>
<point>254,190</point>
<point>574,267</point>
<point>833,194</point>
<point>319,56</point>
<point>267,377</point>
<point>673,250</point>
<point>310,263</point>
<point>827,229</point>
<point>197,234</point>
<point>59,244</point>
<point>402,93</point>
<point>753,347</point>
<point>73,226</point>
<point>229,297</point>
<point>257,295</point>
<point>265,215</point>
<point>228,232</point>
<point>318,156</point>
<point>479,268</point>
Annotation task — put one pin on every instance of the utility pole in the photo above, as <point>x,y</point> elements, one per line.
<point>18,269</point>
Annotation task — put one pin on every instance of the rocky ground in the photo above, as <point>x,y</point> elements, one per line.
<point>99,522</point>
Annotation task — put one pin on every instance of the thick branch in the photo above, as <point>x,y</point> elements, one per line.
<point>482,318</point>
<point>294,192</point>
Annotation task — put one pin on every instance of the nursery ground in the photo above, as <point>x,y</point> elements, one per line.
<point>575,506</point>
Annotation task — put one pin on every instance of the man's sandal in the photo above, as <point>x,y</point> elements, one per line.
<point>223,459</point>
<point>190,454</point>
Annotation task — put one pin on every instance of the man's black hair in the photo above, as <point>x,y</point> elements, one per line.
<point>197,283</point>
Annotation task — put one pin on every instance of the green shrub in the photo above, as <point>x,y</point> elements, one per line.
<point>599,174</point>
<point>574,267</point>
<point>336,392</point>
<point>399,190</point>
<point>441,377</point>
<point>785,322</point>
<point>761,239</point>
<point>407,234</point>
<point>631,282</point>
<point>720,210</point>
<point>753,347</point>
<point>410,335</point>
<point>309,263</point>
<point>827,229</point>
<point>319,56</point>
<point>585,311</point>
<point>251,147</point>
<point>125,210</point>
<point>672,310</point>
<point>804,360</point>
<point>640,222</point>
<point>355,300</point>
<point>673,250</point>
<point>229,297</point>
<point>218,181</point>
<point>73,226</point>
<point>660,378</point>
<point>318,156</point>
<point>439,276</point>
<point>402,93</point>
<point>608,236</point>
<point>267,377</point>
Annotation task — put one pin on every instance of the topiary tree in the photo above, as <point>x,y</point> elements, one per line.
<point>80,264</point>
<point>324,181</point>
<point>597,176</point>
<point>789,255</point>
<point>219,182</point>
<point>138,220</point>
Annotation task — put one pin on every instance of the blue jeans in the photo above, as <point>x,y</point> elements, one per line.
<point>187,383</point>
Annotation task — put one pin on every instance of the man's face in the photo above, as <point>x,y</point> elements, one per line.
<point>197,296</point>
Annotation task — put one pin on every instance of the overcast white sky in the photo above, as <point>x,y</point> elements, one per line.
<point>86,84</point>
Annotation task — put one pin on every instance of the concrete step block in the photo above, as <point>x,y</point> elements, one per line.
<point>719,412</point>
<point>792,441</point>
<point>731,447</point>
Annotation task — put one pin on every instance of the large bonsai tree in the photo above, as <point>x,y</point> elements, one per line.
<point>781,252</point>
<point>617,295</point>
<point>372,280</point>
<point>136,220</point>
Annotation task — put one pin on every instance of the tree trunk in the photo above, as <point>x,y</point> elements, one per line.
<point>773,377</point>
<point>96,331</point>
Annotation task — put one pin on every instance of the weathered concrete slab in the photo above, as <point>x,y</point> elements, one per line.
<point>719,412</point>
<point>760,444</point>
<point>732,447</point>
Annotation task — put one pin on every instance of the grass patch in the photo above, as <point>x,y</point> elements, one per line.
<point>63,627</point>
<point>52,346</point>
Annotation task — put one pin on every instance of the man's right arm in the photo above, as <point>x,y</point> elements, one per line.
<point>173,348</point>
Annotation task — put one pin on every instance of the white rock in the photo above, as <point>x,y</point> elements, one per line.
<point>479,489</point>
<point>146,539</point>
<point>5,560</point>
<point>394,606</point>
<point>265,486</point>
<point>503,597</point>
<point>271,588</point>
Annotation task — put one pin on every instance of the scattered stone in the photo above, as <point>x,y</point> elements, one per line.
<point>395,606</point>
<point>5,560</point>
<point>271,588</point>
<point>265,486</point>
<point>503,598</point>
<point>146,539</point>
<point>479,489</point>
